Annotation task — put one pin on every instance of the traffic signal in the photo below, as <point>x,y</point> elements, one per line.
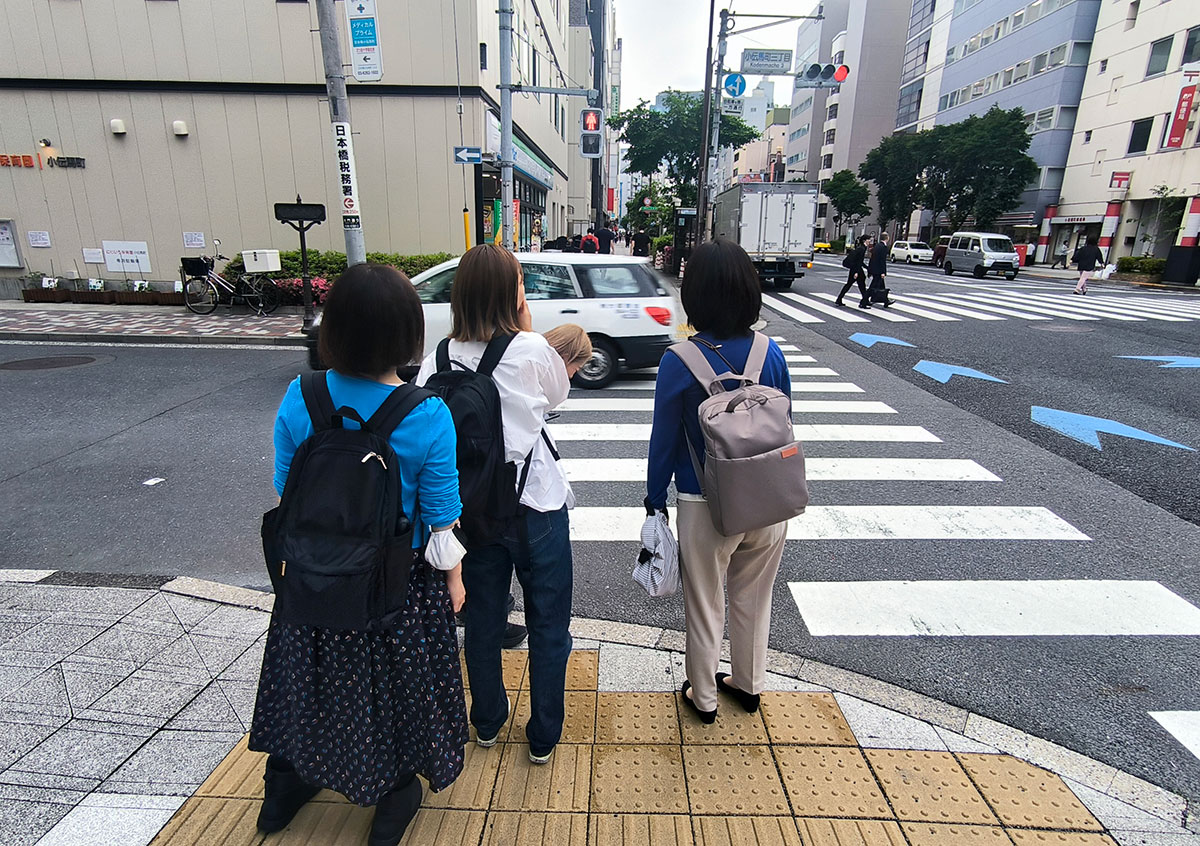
<point>591,133</point>
<point>817,75</point>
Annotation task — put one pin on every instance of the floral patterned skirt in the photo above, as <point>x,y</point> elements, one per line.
<point>357,711</point>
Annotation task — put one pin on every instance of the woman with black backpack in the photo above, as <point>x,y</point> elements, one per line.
<point>362,710</point>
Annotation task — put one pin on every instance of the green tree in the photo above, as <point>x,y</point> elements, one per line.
<point>992,163</point>
<point>662,203</point>
<point>1168,213</point>
<point>895,167</point>
<point>848,196</point>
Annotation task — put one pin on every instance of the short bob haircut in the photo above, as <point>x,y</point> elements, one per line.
<point>572,343</point>
<point>372,322</point>
<point>483,301</point>
<point>721,292</point>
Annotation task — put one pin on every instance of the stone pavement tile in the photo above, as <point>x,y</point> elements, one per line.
<point>928,787</point>
<point>956,742</point>
<point>96,600</point>
<point>732,726</point>
<point>512,828</point>
<point>137,641</point>
<point>1143,838</point>
<point>850,833</point>
<point>1059,838</point>
<point>172,763</point>
<point>142,693</point>
<point>579,723</point>
<point>1119,816</point>
<point>57,640</point>
<point>1025,796</point>
<point>560,785</point>
<point>805,718</point>
<point>745,831</point>
<point>445,828</point>
<point>31,793</point>
<point>14,678</point>
<point>239,775</point>
<point>512,663</point>
<point>830,781</point>
<point>242,696</point>
<point>230,621</point>
<point>633,718</point>
<point>11,628</point>
<point>877,727</point>
<point>733,780</point>
<point>105,820</point>
<point>472,790</point>
<point>47,691</point>
<point>180,662</point>
<point>80,752</point>
<point>27,658</point>
<point>641,830</point>
<point>13,575</point>
<point>83,689</point>
<point>172,608</point>
<point>942,834</point>
<point>93,665</point>
<point>24,823</point>
<point>218,652</point>
<point>625,668</point>
<point>209,711</point>
<point>1147,796</point>
<point>16,739</point>
<point>638,779</point>
<point>873,690</point>
<point>95,619</point>
<point>213,591</point>
<point>248,665</point>
<point>775,681</point>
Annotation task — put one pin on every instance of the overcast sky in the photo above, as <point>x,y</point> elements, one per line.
<point>663,43</point>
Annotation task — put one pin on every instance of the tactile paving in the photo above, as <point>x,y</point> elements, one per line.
<point>583,670</point>
<point>201,821</point>
<point>830,781</point>
<point>1060,838</point>
<point>638,780</point>
<point>239,775</point>
<point>794,717</point>
<point>633,718</point>
<point>929,787</point>
<point>746,831</point>
<point>735,780</point>
<point>562,784</point>
<point>1026,796</point>
<point>512,666</point>
<point>325,822</point>
<point>732,726</point>
<point>472,790</point>
<point>445,828</point>
<point>512,828</point>
<point>641,830</point>
<point>579,718</point>
<point>937,834</point>
<point>850,833</point>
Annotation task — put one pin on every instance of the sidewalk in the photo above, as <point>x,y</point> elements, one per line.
<point>125,703</point>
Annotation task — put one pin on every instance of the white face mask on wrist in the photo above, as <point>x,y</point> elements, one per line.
<point>444,551</point>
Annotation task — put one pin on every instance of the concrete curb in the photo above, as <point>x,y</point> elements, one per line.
<point>296,341</point>
<point>1070,765</point>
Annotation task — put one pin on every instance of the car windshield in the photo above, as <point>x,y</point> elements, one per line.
<point>917,245</point>
<point>998,245</point>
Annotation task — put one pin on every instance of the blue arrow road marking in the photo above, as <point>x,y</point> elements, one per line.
<point>1172,360</point>
<point>869,341</point>
<point>942,372</point>
<point>1086,429</point>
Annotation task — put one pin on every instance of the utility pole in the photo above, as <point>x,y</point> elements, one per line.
<point>715,144</point>
<point>339,116</point>
<point>702,180</point>
<point>506,144</point>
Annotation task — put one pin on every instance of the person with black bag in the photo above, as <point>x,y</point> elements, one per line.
<point>877,269</point>
<point>854,263</point>
<point>500,379</point>
<point>361,689</point>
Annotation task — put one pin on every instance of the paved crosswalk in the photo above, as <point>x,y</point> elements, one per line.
<point>985,304</point>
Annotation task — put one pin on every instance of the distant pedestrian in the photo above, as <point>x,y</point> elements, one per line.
<point>641,243</point>
<point>1086,258</point>
<point>590,243</point>
<point>858,274</point>
<point>877,269</point>
<point>1060,255</point>
<point>605,238</point>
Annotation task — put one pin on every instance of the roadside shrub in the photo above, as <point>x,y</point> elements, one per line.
<point>661,242</point>
<point>837,245</point>
<point>293,291</point>
<point>1141,264</point>
<point>1127,264</point>
<point>329,264</point>
<point>1153,265</point>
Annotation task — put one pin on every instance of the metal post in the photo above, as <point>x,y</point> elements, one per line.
<point>506,143</point>
<point>339,106</point>
<point>702,177</point>
<point>305,278</point>
<point>715,144</point>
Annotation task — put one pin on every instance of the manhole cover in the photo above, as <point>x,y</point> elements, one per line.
<point>1064,328</point>
<point>49,363</point>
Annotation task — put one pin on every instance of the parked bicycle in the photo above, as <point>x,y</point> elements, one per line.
<point>204,287</point>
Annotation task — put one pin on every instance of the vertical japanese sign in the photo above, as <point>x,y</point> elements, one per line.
<point>1183,106</point>
<point>344,149</point>
<point>365,57</point>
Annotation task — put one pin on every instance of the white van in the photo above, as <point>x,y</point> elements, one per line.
<point>981,253</point>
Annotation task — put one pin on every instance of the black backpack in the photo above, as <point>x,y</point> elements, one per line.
<point>339,546</point>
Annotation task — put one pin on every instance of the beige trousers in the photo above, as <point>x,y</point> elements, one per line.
<point>747,564</point>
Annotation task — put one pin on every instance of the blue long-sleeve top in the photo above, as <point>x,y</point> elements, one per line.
<point>424,442</point>
<point>677,398</point>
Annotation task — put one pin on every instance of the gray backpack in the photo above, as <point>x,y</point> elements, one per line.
<point>753,474</point>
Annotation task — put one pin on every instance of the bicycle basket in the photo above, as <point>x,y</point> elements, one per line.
<point>196,265</point>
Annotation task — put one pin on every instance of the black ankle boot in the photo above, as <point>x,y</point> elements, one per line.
<point>394,812</point>
<point>284,794</point>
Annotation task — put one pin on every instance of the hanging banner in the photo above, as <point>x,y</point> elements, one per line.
<point>343,147</point>
<point>1183,106</point>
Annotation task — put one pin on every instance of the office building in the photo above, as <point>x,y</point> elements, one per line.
<point>814,44</point>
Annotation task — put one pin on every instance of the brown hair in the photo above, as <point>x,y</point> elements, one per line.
<point>571,341</point>
<point>483,301</point>
<point>372,322</point>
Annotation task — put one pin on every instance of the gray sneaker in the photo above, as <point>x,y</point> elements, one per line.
<point>489,742</point>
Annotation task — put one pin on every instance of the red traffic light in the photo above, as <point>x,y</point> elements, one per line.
<point>841,73</point>
<point>590,120</point>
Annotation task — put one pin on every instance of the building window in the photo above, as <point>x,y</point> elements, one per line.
<point>822,209</point>
<point>1066,117</point>
<point>1191,46</point>
<point>830,135</point>
<point>827,161</point>
<point>1103,66</point>
<point>909,107</point>
<point>1160,54</point>
<point>915,56</point>
<point>839,57</point>
<point>1131,16</point>
<point>1081,52</point>
<point>1087,136</point>
<point>832,112</point>
<point>1052,178</point>
<point>921,16</point>
<point>1139,136</point>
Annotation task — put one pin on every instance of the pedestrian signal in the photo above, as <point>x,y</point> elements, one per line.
<point>818,75</point>
<point>591,133</point>
<point>589,146</point>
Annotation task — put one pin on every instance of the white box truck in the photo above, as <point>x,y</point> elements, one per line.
<point>773,222</point>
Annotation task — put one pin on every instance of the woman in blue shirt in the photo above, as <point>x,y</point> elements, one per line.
<point>722,296</point>
<point>363,712</point>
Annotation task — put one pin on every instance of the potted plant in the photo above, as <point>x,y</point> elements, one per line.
<point>45,290</point>
<point>174,297</point>
<point>94,293</point>
<point>136,293</point>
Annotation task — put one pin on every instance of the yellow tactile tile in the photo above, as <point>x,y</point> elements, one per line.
<point>638,780</point>
<point>1025,796</point>
<point>633,718</point>
<point>240,774</point>
<point>745,831</point>
<point>794,717</point>
<point>929,787</point>
<point>512,828</point>
<point>1059,838</point>
<point>579,720</point>
<point>850,833</point>
<point>473,788</point>
<point>336,825</point>
<point>830,781</point>
<point>512,663</point>
<point>734,780</point>
<point>445,828</point>
<point>560,785</point>
<point>732,726</point>
<point>937,834</point>
<point>230,822</point>
<point>640,830</point>
<point>583,669</point>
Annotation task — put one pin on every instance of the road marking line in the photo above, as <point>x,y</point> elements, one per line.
<point>1074,305</point>
<point>998,299</point>
<point>1154,312</point>
<point>589,404</point>
<point>1165,308</point>
<point>798,359</point>
<point>805,432</point>
<point>919,312</point>
<point>787,311</point>
<point>798,387</point>
<point>1019,608</point>
<point>966,299</point>
<point>865,522</point>
<point>840,313</point>
<point>817,468</point>
<point>952,309</point>
<point>1184,726</point>
<point>1105,309</point>
<point>881,313</point>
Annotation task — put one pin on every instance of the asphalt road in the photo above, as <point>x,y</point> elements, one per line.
<point>84,442</point>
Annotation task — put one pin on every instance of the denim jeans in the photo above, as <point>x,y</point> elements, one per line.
<point>542,560</point>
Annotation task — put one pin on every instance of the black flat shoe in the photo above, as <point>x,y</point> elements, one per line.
<point>839,304</point>
<point>284,794</point>
<point>748,701</point>
<point>706,717</point>
<point>394,813</point>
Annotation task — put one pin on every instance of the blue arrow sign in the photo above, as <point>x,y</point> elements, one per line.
<point>869,341</point>
<point>1086,430</point>
<point>1172,360</point>
<point>735,85</point>
<point>942,372</point>
<point>468,155</point>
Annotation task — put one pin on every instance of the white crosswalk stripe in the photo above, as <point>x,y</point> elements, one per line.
<point>1184,726</point>
<point>797,386</point>
<point>805,432</point>
<point>817,468</point>
<point>881,313</point>
<point>790,311</point>
<point>936,299</point>
<point>589,404</point>
<point>952,309</point>
<point>842,314</point>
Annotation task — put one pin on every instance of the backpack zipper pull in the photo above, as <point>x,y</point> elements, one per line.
<point>376,456</point>
<point>282,567</point>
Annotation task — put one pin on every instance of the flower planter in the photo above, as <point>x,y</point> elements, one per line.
<point>46,295</point>
<point>170,298</point>
<point>93,297</point>
<point>137,297</point>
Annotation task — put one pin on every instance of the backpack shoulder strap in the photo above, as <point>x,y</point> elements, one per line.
<point>315,390</point>
<point>396,407</point>
<point>493,354</point>
<point>695,361</point>
<point>756,359</point>
<point>443,355</point>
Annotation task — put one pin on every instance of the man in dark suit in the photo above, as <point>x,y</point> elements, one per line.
<point>877,270</point>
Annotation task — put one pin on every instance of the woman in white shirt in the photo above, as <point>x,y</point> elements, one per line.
<point>488,301</point>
